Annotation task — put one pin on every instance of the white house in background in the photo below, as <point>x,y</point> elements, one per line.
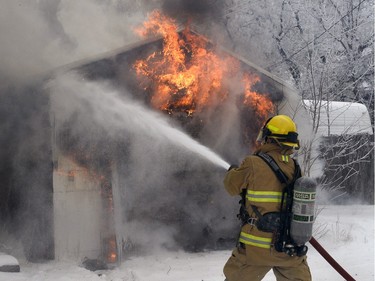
<point>341,118</point>
<point>346,141</point>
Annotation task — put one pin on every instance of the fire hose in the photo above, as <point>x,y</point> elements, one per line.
<point>330,260</point>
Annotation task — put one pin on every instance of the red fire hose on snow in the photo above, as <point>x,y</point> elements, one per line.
<point>330,260</point>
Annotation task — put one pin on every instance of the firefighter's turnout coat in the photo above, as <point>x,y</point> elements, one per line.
<point>255,255</point>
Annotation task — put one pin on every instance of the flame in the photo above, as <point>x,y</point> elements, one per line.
<point>111,249</point>
<point>85,172</point>
<point>187,75</point>
<point>260,103</point>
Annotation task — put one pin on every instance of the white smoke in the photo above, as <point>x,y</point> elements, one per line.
<point>165,177</point>
<point>38,36</point>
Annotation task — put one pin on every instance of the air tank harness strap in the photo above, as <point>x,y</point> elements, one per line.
<point>283,242</point>
<point>273,165</point>
<point>269,222</point>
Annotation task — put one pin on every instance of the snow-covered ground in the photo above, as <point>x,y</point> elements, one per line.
<point>346,232</point>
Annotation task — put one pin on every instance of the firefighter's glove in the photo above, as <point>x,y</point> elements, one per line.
<point>232,167</point>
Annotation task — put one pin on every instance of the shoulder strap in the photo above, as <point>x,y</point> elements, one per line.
<point>280,175</point>
<point>273,165</point>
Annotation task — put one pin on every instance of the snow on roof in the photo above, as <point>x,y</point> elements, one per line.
<point>7,260</point>
<point>341,117</point>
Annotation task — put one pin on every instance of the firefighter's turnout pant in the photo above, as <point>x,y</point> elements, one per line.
<point>251,263</point>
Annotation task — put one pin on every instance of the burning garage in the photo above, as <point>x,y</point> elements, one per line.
<point>125,166</point>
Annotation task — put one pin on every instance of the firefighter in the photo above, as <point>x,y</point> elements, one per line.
<point>255,254</point>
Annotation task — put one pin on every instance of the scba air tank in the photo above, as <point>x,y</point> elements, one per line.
<point>303,210</point>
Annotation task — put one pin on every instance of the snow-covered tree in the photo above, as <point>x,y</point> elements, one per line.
<point>324,48</point>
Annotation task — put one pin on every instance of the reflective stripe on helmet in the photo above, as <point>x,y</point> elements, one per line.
<point>264,196</point>
<point>256,241</point>
<point>273,129</point>
<point>281,124</point>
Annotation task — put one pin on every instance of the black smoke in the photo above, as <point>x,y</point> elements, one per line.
<point>193,8</point>
<point>26,170</point>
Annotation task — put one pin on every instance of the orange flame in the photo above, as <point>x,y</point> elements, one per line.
<point>85,172</point>
<point>187,74</point>
<point>111,249</point>
<point>261,104</point>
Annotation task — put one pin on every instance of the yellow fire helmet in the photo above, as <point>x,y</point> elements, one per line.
<point>282,129</point>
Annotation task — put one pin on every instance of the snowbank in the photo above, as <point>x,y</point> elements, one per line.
<point>8,263</point>
<point>346,232</point>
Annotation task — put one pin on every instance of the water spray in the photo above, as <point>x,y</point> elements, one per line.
<point>191,144</point>
<point>117,113</point>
